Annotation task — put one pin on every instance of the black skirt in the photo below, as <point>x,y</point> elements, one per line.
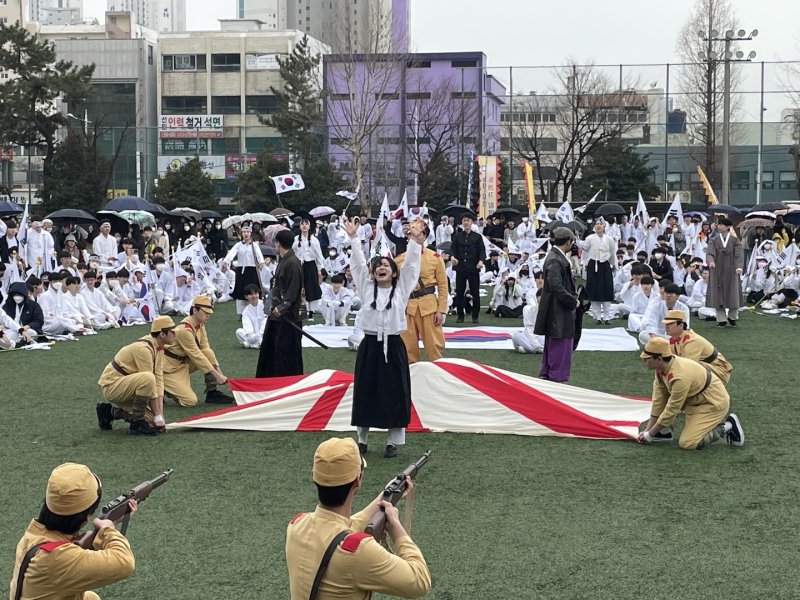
<point>244,276</point>
<point>281,351</point>
<point>382,389</point>
<point>311,281</point>
<point>599,282</point>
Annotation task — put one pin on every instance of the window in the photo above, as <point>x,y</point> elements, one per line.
<point>389,141</point>
<point>226,63</point>
<point>463,95</point>
<point>387,96</point>
<point>340,97</point>
<point>548,144</point>
<point>740,180</point>
<point>468,139</point>
<point>418,64</point>
<point>183,105</point>
<point>337,141</point>
<point>149,55</point>
<point>422,141</point>
<point>674,181</point>
<point>3,20</point>
<point>767,180</point>
<point>260,105</point>
<point>418,96</point>
<point>503,117</point>
<point>226,105</point>
<point>222,146</point>
<point>786,180</point>
<point>463,64</point>
<point>184,62</point>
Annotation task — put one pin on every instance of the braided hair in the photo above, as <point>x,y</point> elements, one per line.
<point>375,263</point>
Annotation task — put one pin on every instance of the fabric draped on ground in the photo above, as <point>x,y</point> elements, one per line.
<point>487,338</point>
<point>452,395</point>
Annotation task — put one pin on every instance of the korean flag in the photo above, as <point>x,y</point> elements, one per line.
<point>288,183</point>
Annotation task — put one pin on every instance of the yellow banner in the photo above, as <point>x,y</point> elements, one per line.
<point>711,197</point>
<point>487,201</point>
<point>530,193</point>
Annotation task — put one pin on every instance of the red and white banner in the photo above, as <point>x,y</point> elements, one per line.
<point>447,395</point>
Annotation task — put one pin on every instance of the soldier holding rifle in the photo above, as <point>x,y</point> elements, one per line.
<point>327,551</point>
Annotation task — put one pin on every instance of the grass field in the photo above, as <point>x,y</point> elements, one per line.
<point>495,516</point>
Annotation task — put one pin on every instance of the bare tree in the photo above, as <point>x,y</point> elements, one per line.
<point>362,81</point>
<point>701,80</point>
<point>583,111</point>
<point>790,80</point>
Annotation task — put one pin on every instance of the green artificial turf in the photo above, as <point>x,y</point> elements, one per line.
<point>495,516</point>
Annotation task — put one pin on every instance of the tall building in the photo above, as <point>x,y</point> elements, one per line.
<point>56,12</point>
<point>13,11</point>
<point>164,16</point>
<point>271,12</point>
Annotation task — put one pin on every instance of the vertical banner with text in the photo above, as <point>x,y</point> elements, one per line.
<point>488,167</point>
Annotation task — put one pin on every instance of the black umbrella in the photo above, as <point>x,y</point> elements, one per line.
<point>8,209</point>
<point>609,209</point>
<point>506,212</point>
<point>725,209</point>
<point>71,214</point>
<point>128,203</point>
<point>792,217</point>
<point>158,211</point>
<point>210,214</point>
<point>444,247</point>
<point>455,210</point>
<point>770,206</point>
<point>575,227</point>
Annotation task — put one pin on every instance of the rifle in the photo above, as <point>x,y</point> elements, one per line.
<point>392,493</point>
<point>118,509</point>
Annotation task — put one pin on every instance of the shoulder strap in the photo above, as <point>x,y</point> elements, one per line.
<point>26,561</point>
<point>323,565</point>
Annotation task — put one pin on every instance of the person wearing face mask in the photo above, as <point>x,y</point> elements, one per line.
<point>334,263</point>
<point>184,233</point>
<point>104,314</point>
<point>217,241</point>
<point>248,262</point>
<point>105,245</point>
<point>164,290</point>
<point>660,265</point>
<point>725,259</point>
<point>25,313</point>
<point>224,281</point>
<point>53,311</point>
<point>162,239</point>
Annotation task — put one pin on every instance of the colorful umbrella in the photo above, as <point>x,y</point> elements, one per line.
<point>268,234</point>
<point>322,211</point>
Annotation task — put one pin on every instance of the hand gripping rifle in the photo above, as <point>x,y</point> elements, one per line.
<point>118,508</point>
<point>392,493</point>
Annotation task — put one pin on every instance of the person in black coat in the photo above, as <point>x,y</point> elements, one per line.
<point>556,319</point>
<point>24,311</point>
<point>660,265</point>
<point>467,253</point>
<point>218,241</point>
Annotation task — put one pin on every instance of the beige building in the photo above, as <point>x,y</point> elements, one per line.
<point>13,11</point>
<point>212,87</point>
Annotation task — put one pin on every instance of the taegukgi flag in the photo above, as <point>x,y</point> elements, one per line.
<point>288,183</point>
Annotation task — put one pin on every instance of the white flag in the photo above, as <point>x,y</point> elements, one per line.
<point>542,215</point>
<point>564,213</point>
<point>349,195</point>
<point>288,183</point>
<point>675,210</point>
<point>402,210</point>
<point>581,209</point>
<point>641,211</point>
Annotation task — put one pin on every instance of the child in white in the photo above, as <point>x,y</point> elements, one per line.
<point>525,341</point>
<point>224,280</point>
<point>336,301</point>
<point>253,319</point>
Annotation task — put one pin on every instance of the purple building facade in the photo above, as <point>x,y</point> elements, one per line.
<point>386,115</point>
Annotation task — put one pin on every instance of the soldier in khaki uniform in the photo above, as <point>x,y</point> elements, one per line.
<point>60,569</point>
<point>133,382</point>
<point>426,308</point>
<point>191,352</point>
<point>688,344</point>
<point>682,384</point>
<point>359,565</point>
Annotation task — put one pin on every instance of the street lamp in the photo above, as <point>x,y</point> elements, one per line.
<point>85,120</point>
<point>727,57</point>
<point>415,120</point>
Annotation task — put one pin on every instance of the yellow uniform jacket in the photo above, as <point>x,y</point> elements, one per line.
<point>66,571</point>
<point>694,346</point>
<point>188,346</point>
<point>432,275</point>
<point>358,566</point>
<point>689,386</point>
<point>142,356</point>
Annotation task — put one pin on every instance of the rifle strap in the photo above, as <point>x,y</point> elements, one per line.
<point>26,561</point>
<point>408,510</point>
<point>323,565</point>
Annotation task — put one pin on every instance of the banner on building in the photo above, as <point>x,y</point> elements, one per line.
<point>184,147</point>
<point>213,166</point>
<point>238,163</point>
<point>488,171</point>
<point>261,61</point>
<point>190,126</point>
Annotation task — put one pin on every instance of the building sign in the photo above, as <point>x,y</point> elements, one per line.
<point>184,147</point>
<point>213,166</point>
<point>190,126</point>
<point>260,61</point>
<point>238,163</point>
<point>6,154</point>
<point>488,167</point>
<point>116,193</point>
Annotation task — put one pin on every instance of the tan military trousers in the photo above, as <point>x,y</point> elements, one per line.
<point>177,382</point>
<point>431,335</point>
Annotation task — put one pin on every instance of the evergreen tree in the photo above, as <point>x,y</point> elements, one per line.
<point>256,191</point>
<point>438,182</point>
<point>78,177</point>
<point>619,171</point>
<point>29,115</point>
<point>186,186</point>
<point>298,116</point>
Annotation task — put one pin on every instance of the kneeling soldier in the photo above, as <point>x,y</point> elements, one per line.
<point>688,344</point>
<point>133,382</point>
<point>191,352</point>
<point>682,384</point>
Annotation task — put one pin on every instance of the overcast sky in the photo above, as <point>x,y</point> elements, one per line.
<point>521,33</point>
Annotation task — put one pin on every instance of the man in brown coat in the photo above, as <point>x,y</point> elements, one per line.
<point>725,259</point>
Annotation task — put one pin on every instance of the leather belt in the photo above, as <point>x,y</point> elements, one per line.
<point>426,291</point>
<point>174,356</point>
<point>117,368</point>
<point>711,357</point>
<point>708,382</point>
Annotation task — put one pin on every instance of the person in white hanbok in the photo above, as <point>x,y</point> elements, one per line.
<point>525,341</point>
<point>336,301</point>
<point>253,319</point>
